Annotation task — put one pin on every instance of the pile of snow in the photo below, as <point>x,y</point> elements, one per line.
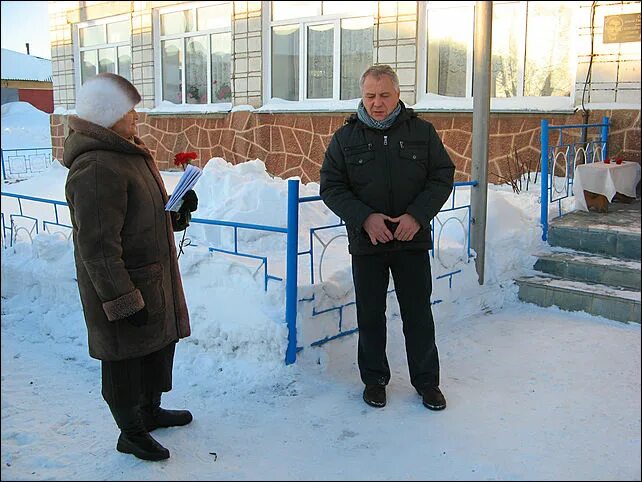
<point>218,285</point>
<point>24,126</point>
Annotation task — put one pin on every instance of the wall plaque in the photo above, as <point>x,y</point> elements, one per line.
<point>621,28</point>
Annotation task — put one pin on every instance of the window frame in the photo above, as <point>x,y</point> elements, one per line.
<point>516,103</point>
<point>157,40</point>
<point>77,49</point>
<point>303,23</point>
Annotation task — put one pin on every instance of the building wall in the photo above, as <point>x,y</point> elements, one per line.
<point>293,143</point>
<point>9,95</point>
<point>615,67</point>
<point>247,54</point>
<point>143,53</point>
<point>40,98</point>
<point>61,19</point>
<point>395,43</point>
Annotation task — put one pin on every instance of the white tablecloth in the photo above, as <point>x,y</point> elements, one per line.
<point>605,179</point>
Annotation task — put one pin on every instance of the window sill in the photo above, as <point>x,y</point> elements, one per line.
<point>279,106</point>
<point>459,110</point>
<point>169,108</point>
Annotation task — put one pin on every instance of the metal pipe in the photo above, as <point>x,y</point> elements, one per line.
<point>292,251</point>
<point>481,121</point>
<point>544,180</point>
<point>4,173</point>
<point>605,137</point>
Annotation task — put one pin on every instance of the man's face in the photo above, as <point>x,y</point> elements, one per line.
<point>379,96</point>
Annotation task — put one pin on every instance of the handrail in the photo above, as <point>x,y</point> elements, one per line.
<point>547,175</point>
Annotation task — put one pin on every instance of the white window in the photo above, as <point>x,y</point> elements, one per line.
<point>195,53</point>
<point>105,47</point>
<point>532,60</point>
<point>318,50</point>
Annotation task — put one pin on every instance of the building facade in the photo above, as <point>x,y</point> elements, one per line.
<point>273,80</point>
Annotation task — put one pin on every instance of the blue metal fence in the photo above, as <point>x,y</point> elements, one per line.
<point>562,157</point>
<point>13,228</point>
<point>18,163</point>
<point>292,250</point>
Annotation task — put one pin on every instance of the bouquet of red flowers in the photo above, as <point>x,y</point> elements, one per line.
<point>183,158</point>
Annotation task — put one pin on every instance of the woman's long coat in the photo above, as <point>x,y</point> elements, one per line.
<point>123,244</point>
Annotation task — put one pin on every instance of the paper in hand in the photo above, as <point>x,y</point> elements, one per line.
<point>187,181</point>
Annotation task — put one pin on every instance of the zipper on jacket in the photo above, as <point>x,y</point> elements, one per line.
<point>389,163</point>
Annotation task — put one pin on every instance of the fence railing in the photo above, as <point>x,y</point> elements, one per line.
<point>24,162</point>
<point>292,248</point>
<point>559,160</point>
<point>13,228</point>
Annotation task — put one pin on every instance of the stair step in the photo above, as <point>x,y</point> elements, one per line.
<point>596,239</point>
<point>591,267</point>
<point>596,299</point>
<point>616,233</point>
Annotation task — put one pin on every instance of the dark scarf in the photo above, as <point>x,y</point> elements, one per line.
<point>364,117</point>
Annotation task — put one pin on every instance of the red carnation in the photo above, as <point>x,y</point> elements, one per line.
<point>183,158</point>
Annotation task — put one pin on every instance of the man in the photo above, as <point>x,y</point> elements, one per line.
<point>126,264</point>
<point>386,174</point>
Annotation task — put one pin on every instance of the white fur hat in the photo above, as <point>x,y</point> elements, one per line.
<point>105,99</point>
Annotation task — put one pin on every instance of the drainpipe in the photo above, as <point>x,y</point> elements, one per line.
<point>481,121</point>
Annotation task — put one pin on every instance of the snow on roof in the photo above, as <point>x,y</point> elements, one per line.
<point>17,66</point>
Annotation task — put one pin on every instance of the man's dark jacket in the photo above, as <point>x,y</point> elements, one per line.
<point>403,169</point>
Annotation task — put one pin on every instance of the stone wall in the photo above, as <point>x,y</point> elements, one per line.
<point>294,144</point>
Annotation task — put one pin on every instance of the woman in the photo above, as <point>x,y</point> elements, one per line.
<point>126,263</point>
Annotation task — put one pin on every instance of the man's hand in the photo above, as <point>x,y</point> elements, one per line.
<point>376,228</point>
<point>407,228</point>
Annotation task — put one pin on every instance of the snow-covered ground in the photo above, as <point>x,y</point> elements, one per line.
<point>532,393</point>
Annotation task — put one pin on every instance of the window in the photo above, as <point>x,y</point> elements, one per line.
<point>105,47</point>
<point>195,53</point>
<point>532,51</point>
<point>320,49</point>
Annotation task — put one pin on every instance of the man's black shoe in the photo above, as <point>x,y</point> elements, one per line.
<point>375,395</point>
<point>432,398</point>
<point>142,445</point>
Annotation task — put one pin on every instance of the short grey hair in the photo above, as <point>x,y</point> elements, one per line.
<point>377,71</point>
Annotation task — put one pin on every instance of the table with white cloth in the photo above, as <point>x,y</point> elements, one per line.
<point>605,179</point>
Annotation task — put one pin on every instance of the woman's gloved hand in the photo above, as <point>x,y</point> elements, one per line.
<point>182,218</point>
<point>190,201</point>
<point>139,318</point>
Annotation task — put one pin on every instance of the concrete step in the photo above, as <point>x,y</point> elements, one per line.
<point>596,299</point>
<point>616,233</point>
<point>619,243</point>
<point>593,268</point>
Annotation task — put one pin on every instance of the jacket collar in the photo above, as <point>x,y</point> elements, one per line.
<point>87,136</point>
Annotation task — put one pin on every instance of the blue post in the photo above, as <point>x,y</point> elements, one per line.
<point>605,137</point>
<point>4,173</point>
<point>544,202</point>
<point>292,268</point>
